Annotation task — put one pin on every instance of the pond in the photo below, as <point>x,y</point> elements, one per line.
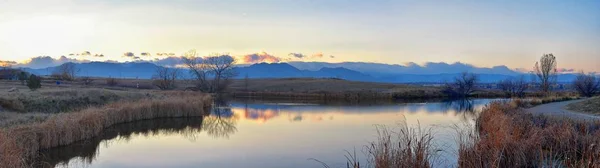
<point>263,135</point>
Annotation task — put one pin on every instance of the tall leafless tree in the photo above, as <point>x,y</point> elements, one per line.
<point>462,87</point>
<point>586,84</point>
<point>165,78</point>
<point>221,68</point>
<point>66,71</point>
<point>545,70</point>
<point>198,69</point>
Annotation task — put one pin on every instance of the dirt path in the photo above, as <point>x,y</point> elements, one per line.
<point>559,109</point>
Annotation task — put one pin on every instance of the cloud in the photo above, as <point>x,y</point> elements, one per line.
<point>260,57</point>
<point>297,55</point>
<point>165,54</point>
<point>47,61</point>
<point>98,55</point>
<point>169,61</point>
<point>7,63</point>
<point>86,53</point>
<point>565,70</point>
<point>145,54</point>
<point>317,55</point>
<point>129,54</point>
<point>331,56</point>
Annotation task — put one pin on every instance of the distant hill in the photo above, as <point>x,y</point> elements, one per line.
<point>145,70</point>
<point>105,69</point>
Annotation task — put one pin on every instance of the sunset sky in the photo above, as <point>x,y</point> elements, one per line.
<point>482,33</point>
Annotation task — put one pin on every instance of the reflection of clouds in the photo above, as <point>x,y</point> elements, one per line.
<point>316,113</point>
<point>260,115</point>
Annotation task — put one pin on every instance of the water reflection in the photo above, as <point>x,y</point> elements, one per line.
<point>240,128</point>
<point>87,150</point>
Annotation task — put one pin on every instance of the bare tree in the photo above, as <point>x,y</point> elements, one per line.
<point>514,86</point>
<point>587,85</point>
<point>220,67</point>
<point>198,69</point>
<point>112,81</point>
<point>462,87</point>
<point>246,82</point>
<point>546,72</point>
<point>66,71</point>
<point>87,80</point>
<point>165,78</point>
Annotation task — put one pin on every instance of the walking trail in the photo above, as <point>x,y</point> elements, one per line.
<point>558,109</point>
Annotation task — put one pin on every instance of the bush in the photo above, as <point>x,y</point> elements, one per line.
<point>34,82</point>
<point>112,82</point>
<point>586,84</point>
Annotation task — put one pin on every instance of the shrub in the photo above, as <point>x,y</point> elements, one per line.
<point>34,82</point>
<point>587,85</point>
<point>505,136</point>
<point>112,82</point>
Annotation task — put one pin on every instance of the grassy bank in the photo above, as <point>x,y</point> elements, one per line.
<point>88,149</point>
<point>591,106</point>
<point>506,136</point>
<point>55,100</point>
<point>22,142</point>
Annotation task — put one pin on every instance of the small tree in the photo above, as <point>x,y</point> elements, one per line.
<point>546,72</point>
<point>87,80</point>
<point>514,86</point>
<point>23,76</point>
<point>112,81</point>
<point>34,82</point>
<point>246,82</point>
<point>66,71</point>
<point>462,87</point>
<point>165,78</point>
<point>587,85</point>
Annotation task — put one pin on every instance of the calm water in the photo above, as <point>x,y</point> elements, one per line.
<point>261,135</point>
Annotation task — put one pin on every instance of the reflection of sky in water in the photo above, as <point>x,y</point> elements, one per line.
<point>281,135</point>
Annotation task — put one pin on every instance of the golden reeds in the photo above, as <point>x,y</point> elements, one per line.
<point>23,142</point>
<point>508,137</point>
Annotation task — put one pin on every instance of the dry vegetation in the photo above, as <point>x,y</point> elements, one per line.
<point>505,136</point>
<point>87,118</point>
<point>591,106</point>
<point>328,89</point>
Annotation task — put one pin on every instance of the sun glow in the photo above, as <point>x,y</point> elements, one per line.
<point>50,35</point>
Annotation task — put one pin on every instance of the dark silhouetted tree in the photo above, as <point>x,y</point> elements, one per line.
<point>165,78</point>
<point>587,85</point>
<point>34,82</point>
<point>545,70</point>
<point>462,87</point>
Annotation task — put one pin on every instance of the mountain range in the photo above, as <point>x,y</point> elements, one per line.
<point>368,72</point>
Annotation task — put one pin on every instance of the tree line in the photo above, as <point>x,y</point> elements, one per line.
<point>545,76</point>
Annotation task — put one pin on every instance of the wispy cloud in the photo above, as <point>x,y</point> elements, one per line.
<point>47,61</point>
<point>297,55</point>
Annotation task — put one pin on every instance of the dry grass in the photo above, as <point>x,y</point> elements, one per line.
<point>591,106</point>
<point>62,129</point>
<point>507,137</point>
<point>530,102</point>
<point>55,100</point>
<point>408,147</point>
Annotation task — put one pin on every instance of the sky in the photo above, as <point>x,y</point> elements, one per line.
<point>482,33</point>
